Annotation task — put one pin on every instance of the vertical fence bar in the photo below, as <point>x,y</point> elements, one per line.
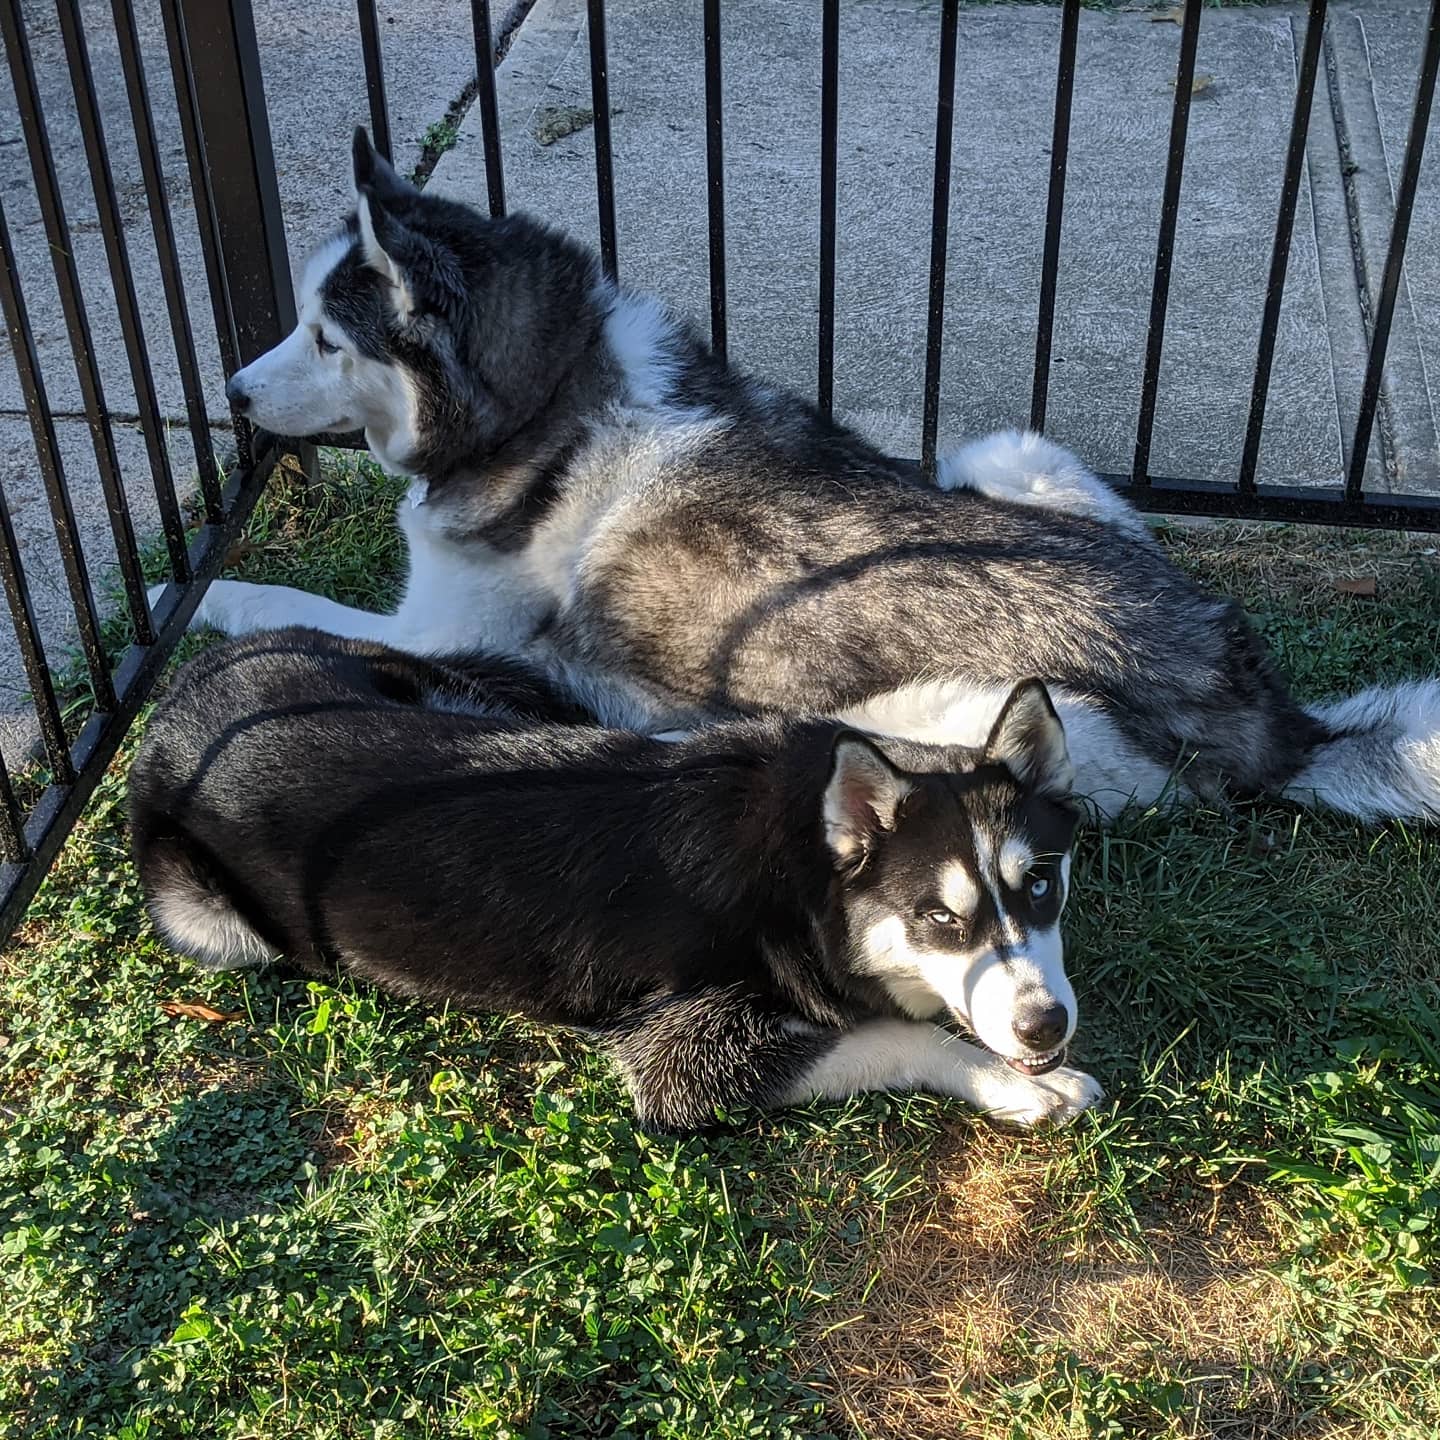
<point>171,276</point>
<point>122,282</point>
<point>829,145</point>
<point>489,109</point>
<point>67,280</point>
<point>1394,258</point>
<point>600,109</point>
<point>187,103</point>
<point>233,127</point>
<point>1165,246</point>
<point>939,233</point>
<point>1054,211</point>
<point>32,649</point>
<point>715,177</point>
<point>182,75</point>
<point>235,134</point>
<point>1280,250</point>
<point>13,848</point>
<point>52,471</point>
<point>374,77</point>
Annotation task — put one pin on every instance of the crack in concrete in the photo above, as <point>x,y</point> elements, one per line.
<point>459,107</point>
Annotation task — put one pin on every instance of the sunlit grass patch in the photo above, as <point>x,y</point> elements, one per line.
<point>337,1214</point>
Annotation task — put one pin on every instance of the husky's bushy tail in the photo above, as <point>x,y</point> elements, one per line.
<point>1027,469</point>
<point>192,908</point>
<point>1378,753</point>
<point>1381,759</point>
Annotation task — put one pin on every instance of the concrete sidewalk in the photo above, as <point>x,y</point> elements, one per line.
<point>1123,95</point>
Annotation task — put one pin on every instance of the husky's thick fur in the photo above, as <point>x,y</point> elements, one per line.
<point>594,489</point>
<point>759,913</point>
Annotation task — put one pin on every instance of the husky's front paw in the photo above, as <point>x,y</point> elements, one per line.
<point>1053,1099</point>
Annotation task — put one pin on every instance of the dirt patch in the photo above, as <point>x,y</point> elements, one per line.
<point>976,1295</point>
<point>344,1135</point>
<point>558,122</point>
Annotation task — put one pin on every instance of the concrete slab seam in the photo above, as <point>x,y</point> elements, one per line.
<point>1405,294</point>
<point>458,108</point>
<point>1349,168</point>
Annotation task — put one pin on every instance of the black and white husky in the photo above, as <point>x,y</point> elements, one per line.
<point>669,539</point>
<point>759,913</point>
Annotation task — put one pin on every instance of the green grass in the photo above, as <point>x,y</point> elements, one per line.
<point>342,1215</point>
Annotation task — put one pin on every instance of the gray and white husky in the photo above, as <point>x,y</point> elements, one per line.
<point>597,492</point>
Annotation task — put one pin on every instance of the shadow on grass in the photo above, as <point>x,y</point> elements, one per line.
<point>130,1213</point>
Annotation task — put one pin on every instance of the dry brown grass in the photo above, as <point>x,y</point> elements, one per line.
<point>1192,1327</point>
<point>969,1292</point>
<point>1303,563</point>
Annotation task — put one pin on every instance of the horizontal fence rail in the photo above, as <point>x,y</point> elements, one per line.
<point>213,67</point>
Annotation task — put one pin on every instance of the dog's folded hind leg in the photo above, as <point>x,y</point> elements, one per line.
<point>687,1056</point>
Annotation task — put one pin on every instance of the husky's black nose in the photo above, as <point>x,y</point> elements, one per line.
<point>1042,1029</point>
<point>237,395</point>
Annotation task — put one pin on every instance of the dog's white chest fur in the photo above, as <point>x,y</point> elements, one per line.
<point>464,595</point>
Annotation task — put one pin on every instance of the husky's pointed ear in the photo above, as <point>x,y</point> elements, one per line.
<point>1029,741</point>
<point>373,171</point>
<point>861,797</point>
<point>382,241</point>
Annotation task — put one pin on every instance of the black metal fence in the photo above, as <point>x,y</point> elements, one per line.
<point>214,69</point>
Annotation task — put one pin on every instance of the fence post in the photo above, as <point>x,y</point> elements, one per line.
<point>224,59</point>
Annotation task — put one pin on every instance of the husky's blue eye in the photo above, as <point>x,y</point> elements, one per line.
<point>1039,888</point>
<point>323,345</point>
<point>940,917</point>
